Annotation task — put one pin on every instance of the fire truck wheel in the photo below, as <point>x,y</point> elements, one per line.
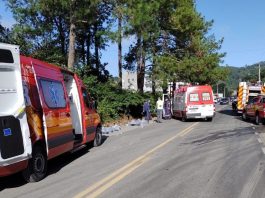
<point>98,137</point>
<point>209,119</point>
<point>37,167</point>
<point>257,119</point>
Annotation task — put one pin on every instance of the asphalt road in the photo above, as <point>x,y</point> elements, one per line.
<point>194,159</point>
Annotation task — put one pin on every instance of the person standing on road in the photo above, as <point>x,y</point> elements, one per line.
<point>159,110</point>
<point>146,110</point>
<point>167,109</point>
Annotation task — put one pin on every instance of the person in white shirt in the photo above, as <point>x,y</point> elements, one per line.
<point>159,110</point>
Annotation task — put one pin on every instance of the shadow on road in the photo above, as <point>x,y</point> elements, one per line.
<point>191,119</point>
<point>54,166</point>
<point>229,112</point>
<point>221,135</point>
<point>12,181</point>
<point>63,160</point>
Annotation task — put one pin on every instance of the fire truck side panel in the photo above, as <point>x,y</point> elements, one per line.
<point>246,92</point>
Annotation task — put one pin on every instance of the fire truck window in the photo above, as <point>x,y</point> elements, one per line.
<point>53,93</point>
<point>206,96</point>
<point>194,97</point>
<point>6,56</point>
<point>250,99</point>
<point>85,97</point>
<point>255,100</point>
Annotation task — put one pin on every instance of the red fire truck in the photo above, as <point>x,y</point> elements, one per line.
<point>44,111</point>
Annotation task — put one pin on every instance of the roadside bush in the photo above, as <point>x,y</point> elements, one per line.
<point>112,102</point>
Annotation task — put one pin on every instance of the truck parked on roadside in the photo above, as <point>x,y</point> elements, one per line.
<point>255,110</point>
<point>246,92</point>
<point>44,111</point>
<point>194,102</point>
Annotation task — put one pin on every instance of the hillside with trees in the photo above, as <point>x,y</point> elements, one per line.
<point>249,73</point>
<point>171,43</point>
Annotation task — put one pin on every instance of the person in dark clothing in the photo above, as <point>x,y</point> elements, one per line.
<point>167,109</point>
<point>234,104</point>
<point>146,110</point>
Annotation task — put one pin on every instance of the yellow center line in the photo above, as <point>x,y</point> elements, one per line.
<point>186,132</point>
<point>116,179</point>
<point>128,168</point>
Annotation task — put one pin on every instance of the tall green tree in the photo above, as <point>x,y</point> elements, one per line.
<point>119,15</point>
<point>187,54</point>
<point>72,34</point>
<point>142,22</point>
<point>5,34</point>
<point>63,32</point>
<point>43,25</point>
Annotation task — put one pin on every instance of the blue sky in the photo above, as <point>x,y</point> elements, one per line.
<point>241,23</point>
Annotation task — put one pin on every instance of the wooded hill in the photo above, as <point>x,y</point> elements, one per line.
<point>249,73</point>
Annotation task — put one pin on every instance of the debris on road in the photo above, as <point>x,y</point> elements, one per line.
<point>118,130</point>
<point>138,122</point>
<point>113,130</point>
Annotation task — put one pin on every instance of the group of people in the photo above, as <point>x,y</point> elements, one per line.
<point>162,108</point>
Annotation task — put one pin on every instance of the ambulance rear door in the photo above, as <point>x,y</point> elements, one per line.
<point>15,143</point>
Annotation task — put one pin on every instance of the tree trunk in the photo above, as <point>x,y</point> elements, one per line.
<point>142,70</point>
<point>165,42</point>
<point>72,36</point>
<point>120,50</point>
<point>153,66</point>
<point>153,86</point>
<point>140,64</point>
<point>88,44</point>
<point>138,60</point>
<point>153,75</point>
<point>97,43</point>
<point>59,24</point>
<point>83,41</point>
